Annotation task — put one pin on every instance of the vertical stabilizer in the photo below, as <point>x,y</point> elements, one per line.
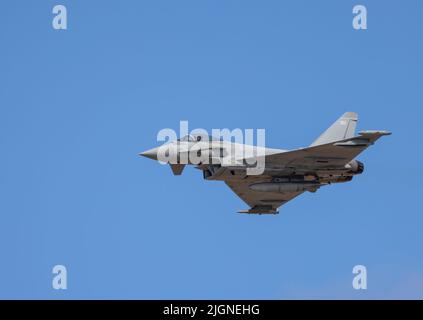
<point>343,128</point>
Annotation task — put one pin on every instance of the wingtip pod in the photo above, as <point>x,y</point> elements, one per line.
<point>372,135</point>
<point>375,132</point>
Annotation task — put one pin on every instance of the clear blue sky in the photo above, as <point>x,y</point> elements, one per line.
<point>76,107</point>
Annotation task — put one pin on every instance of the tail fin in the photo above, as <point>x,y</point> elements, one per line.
<point>343,128</point>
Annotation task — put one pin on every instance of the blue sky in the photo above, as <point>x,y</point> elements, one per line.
<point>77,106</point>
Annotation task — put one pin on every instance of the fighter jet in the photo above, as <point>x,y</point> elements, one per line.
<point>286,173</point>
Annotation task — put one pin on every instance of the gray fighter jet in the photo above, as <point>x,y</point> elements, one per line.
<point>285,174</point>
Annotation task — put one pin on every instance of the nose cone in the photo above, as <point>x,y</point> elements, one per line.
<point>152,154</point>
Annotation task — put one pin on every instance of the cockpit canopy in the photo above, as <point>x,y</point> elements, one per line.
<point>197,138</point>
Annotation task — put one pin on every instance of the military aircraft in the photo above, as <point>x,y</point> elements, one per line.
<point>285,175</point>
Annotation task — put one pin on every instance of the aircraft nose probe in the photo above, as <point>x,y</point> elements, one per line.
<point>151,154</point>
